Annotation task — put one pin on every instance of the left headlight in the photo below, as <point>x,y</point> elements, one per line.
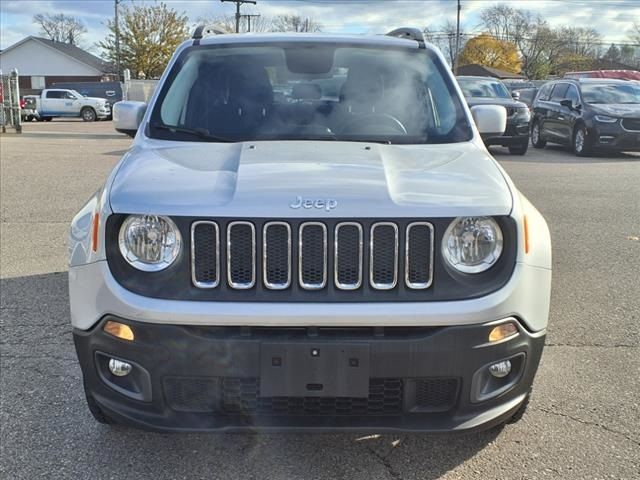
<point>149,242</point>
<point>472,244</point>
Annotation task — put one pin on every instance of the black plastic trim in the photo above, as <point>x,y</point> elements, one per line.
<point>406,353</point>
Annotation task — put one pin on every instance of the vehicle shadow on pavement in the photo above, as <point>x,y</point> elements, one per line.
<point>47,428</point>
<point>561,155</point>
<point>73,136</point>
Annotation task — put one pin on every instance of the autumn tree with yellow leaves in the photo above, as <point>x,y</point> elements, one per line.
<point>491,52</point>
<point>148,37</point>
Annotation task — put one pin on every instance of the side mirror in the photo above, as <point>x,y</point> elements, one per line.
<point>491,120</point>
<point>567,103</point>
<point>515,95</point>
<point>127,116</point>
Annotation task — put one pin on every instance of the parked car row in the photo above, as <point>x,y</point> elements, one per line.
<point>586,114</point>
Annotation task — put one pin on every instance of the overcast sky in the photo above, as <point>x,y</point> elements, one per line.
<point>612,18</point>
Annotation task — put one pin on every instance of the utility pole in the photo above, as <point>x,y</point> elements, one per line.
<point>455,64</point>
<point>117,35</point>
<point>238,4</point>
<point>249,17</point>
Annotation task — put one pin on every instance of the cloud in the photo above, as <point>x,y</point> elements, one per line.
<point>613,19</point>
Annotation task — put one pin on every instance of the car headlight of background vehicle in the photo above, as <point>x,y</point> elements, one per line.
<point>605,119</point>
<point>523,114</point>
<point>472,244</point>
<point>149,242</point>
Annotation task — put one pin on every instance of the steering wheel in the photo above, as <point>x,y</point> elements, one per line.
<point>362,124</point>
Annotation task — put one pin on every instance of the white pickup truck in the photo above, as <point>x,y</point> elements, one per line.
<point>56,102</point>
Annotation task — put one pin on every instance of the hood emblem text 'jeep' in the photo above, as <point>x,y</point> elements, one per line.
<point>319,203</point>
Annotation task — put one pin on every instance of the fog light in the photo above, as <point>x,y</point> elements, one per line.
<point>503,331</point>
<point>119,368</point>
<point>119,330</point>
<point>498,370</point>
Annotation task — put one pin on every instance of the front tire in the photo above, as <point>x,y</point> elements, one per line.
<point>520,149</point>
<point>581,141</point>
<point>88,114</point>
<point>536,139</point>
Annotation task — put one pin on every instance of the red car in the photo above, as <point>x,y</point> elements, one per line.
<point>618,74</point>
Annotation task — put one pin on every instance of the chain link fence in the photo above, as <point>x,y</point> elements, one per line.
<point>10,115</point>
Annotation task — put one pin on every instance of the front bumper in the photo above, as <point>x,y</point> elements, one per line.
<point>614,137</point>
<point>103,112</point>
<point>188,378</point>
<point>515,134</point>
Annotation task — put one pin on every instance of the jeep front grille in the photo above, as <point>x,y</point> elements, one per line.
<point>241,255</point>
<point>312,255</point>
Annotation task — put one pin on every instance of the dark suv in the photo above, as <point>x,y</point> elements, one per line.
<point>588,114</point>
<point>491,91</point>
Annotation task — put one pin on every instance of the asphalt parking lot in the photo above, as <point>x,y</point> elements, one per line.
<point>583,422</point>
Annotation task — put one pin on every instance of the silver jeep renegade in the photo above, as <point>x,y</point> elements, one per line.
<point>308,234</point>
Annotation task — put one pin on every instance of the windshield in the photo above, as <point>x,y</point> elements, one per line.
<point>483,88</point>
<point>611,93</point>
<point>307,91</point>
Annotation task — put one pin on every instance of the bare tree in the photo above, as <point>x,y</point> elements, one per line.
<point>444,37</point>
<point>581,41</point>
<point>634,34</point>
<point>228,23</point>
<point>60,27</point>
<point>295,23</point>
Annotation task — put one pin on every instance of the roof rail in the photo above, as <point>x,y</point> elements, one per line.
<point>204,30</point>
<point>408,33</point>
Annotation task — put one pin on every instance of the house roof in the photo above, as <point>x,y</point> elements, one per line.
<point>483,71</point>
<point>71,51</point>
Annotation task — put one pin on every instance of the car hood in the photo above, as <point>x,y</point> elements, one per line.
<point>95,99</point>
<point>617,109</point>
<point>505,102</point>
<point>309,179</point>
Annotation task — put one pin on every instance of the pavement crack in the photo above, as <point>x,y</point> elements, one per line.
<point>384,460</point>
<point>595,345</point>
<point>589,423</point>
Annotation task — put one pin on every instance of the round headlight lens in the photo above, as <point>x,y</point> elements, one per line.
<point>148,242</point>
<point>472,244</point>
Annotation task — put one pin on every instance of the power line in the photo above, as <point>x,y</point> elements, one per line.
<point>238,4</point>
<point>249,17</point>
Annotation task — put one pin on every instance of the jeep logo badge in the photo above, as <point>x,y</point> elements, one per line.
<point>319,203</point>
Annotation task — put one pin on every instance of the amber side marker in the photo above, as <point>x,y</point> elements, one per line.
<point>503,331</point>
<point>526,234</point>
<point>119,330</point>
<point>94,232</point>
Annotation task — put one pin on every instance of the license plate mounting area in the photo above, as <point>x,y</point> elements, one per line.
<point>314,370</point>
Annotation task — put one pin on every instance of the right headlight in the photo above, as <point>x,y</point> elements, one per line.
<point>149,242</point>
<point>472,244</point>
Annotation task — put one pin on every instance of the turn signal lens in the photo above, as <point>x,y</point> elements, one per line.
<point>119,330</point>
<point>503,331</point>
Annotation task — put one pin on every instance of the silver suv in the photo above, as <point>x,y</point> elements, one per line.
<point>308,233</point>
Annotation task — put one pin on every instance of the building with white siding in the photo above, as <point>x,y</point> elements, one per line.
<point>42,62</point>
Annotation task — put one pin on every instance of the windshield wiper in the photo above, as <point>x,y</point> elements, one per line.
<point>202,133</point>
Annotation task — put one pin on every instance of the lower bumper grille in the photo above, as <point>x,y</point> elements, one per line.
<point>631,124</point>
<point>241,396</point>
